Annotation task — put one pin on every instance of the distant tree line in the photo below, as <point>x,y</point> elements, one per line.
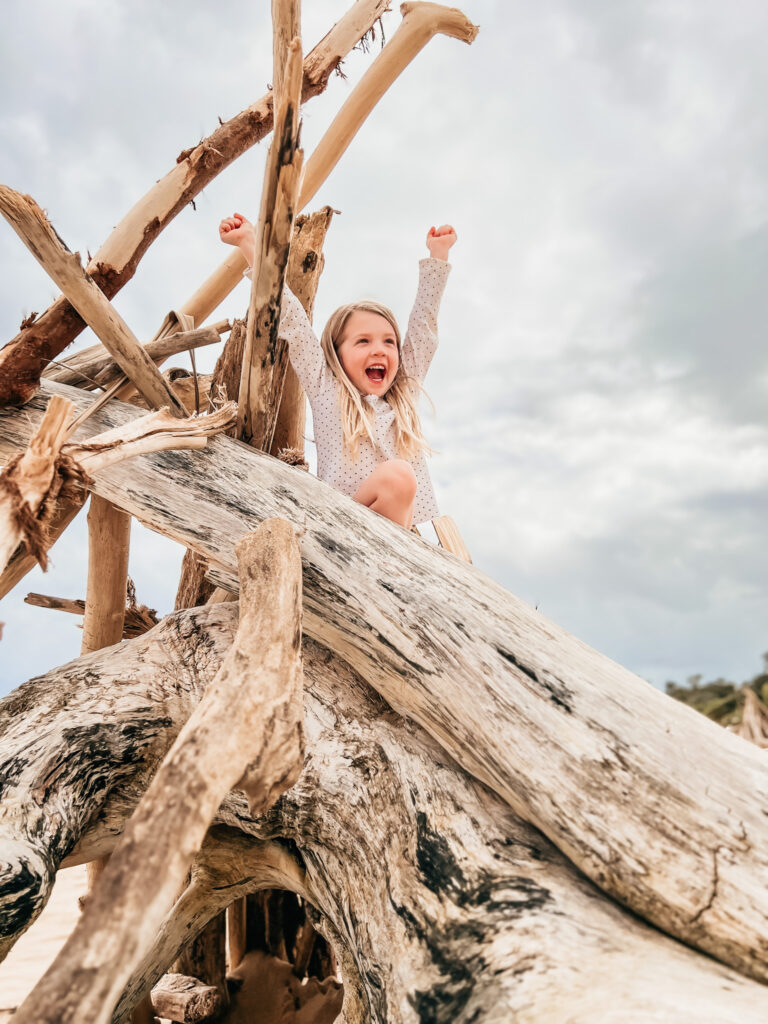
<point>721,700</point>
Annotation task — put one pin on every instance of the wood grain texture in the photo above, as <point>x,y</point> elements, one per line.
<point>659,806</point>
<point>440,902</point>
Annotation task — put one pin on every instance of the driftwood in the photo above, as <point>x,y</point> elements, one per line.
<point>30,486</point>
<point>184,1000</point>
<point>51,471</point>
<point>567,735</point>
<point>305,265</point>
<point>260,748</point>
<point>94,366</point>
<point>440,902</point>
<point>32,226</point>
<point>421,22</point>
<point>109,537</point>
<point>262,372</point>
<point>25,356</point>
<point>137,619</point>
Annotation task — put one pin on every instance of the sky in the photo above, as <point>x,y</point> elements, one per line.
<point>601,383</point>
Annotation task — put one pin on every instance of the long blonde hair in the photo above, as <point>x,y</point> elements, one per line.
<point>357,418</point>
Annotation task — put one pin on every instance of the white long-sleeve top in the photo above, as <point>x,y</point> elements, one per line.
<point>335,464</point>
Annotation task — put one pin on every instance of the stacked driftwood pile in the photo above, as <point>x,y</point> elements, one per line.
<point>484,819</point>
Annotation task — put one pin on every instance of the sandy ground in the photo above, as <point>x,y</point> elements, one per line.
<point>270,994</point>
<point>36,949</point>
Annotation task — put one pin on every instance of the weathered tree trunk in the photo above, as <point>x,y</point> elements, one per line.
<point>660,807</point>
<point>24,357</point>
<point>441,903</point>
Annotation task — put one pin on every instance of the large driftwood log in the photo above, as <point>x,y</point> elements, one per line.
<point>259,748</point>
<point>660,807</point>
<point>25,356</point>
<point>442,904</point>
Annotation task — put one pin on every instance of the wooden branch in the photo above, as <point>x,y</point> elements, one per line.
<point>109,537</point>
<point>95,366</point>
<point>137,619</point>
<point>421,21</point>
<point>515,699</point>
<point>440,902</point>
<point>33,228</point>
<point>305,265</point>
<point>260,749</point>
<point>263,372</point>
<point>22,360</point>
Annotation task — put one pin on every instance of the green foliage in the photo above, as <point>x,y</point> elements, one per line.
<point>720,700</point>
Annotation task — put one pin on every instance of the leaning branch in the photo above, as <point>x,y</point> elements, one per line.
<point>260,749</point>
<point>64,267</point>
<point>265,358</point>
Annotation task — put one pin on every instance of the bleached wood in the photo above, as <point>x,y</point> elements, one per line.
<point>260,749</point>
<point>95,365</point>
<point>261,382</point>
<point>109,536</point>
<point>22,360</point>
<point>659,806</point>
<point>440,902</point>
<point>33,228</point>
<point>421,21</point>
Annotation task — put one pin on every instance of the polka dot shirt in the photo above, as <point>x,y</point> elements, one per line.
<point>335,464</point>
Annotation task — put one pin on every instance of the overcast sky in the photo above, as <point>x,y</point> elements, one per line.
<point>602,378</point>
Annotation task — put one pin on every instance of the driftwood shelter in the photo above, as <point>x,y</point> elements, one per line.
<point>347,749</point>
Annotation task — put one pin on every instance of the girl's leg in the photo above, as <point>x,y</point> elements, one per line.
<point>390,490</point>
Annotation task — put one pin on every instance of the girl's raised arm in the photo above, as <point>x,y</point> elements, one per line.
<point>420,342</point>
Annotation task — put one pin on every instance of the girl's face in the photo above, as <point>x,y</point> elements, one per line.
<point>368,352</point>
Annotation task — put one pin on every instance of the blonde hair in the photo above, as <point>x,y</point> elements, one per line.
<point>357,418</point>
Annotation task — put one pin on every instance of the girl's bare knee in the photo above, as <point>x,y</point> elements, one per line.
<point>401,478</point>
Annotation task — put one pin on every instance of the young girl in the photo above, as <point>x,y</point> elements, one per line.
<point>362,382</point>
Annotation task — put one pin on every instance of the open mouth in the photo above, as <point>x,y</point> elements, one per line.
<point>375,374</point>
